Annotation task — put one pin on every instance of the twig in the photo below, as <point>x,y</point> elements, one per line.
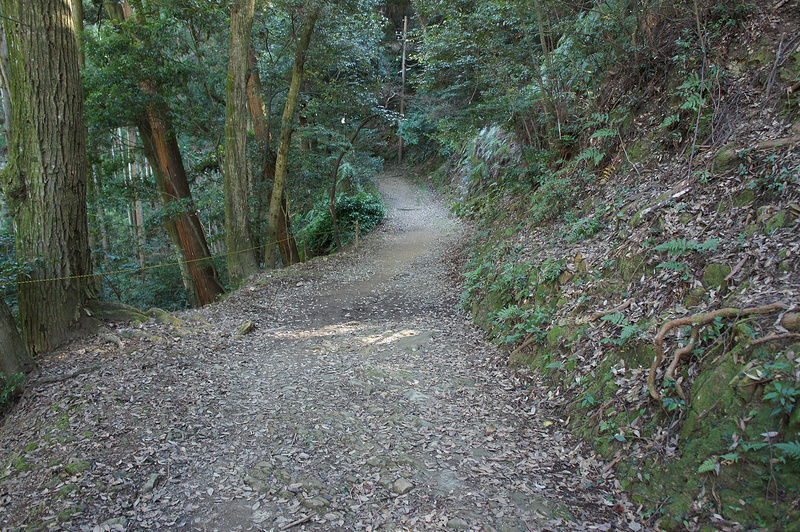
<point>622,143</point>
<point>736,268</point>
<point>64,377</point>
<point>528,341</point>
<point>694,321</point>
<point>771,79</point>
<point>298,522</point>
<point>600,314</point>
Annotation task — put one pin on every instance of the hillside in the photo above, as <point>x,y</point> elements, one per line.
<point>660,296</point>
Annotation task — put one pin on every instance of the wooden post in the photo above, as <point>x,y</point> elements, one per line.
<point>402,91</point>
<point>356,233</point>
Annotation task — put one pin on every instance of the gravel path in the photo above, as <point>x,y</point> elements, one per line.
<point>362,400</point>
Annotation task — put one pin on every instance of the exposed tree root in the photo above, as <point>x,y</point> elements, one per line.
<point>696,321</point>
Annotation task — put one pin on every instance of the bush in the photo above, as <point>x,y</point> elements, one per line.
<point>367,209</point>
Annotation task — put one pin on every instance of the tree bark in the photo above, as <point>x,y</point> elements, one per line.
<point>4,83</point>
<point>156,131</point>
<point>45,180</point>
<point>241,255</point>
<point>266,174</point>
<point>13,356</point>
<point>194,246</point>
<point>169,223</point>
<point>272,236</point>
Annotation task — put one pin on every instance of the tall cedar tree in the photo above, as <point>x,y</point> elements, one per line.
<point>45,180</point>
<point>241,255</point>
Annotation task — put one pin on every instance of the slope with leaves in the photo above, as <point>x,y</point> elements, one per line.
<point>644,236</point>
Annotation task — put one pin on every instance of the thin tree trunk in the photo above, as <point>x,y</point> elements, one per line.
<point>45,181</point>
<point>170,226</point>
<point>176,187</point>
<point>270,255</point>
<point>287,245</point>
<point>241,255</point>
<point>335,178</point>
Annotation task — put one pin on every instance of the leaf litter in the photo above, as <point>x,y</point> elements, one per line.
<point>347,393</point>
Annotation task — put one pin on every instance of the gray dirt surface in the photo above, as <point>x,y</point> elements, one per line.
<point>362,400</point>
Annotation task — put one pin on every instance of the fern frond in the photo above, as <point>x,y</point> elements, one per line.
<point>710,464</point>
<point>616,318</point>
<point>790,449</point>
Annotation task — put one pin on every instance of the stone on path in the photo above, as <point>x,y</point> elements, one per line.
<point>401,486</point>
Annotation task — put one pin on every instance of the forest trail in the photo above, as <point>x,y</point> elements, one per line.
<point>361,401</point>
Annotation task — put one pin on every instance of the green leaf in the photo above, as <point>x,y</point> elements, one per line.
<point>710,464</point>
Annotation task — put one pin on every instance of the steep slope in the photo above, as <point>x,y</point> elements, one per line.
<point>663,302</point>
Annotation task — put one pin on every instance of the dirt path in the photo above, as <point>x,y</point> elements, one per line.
<point>362,401</point>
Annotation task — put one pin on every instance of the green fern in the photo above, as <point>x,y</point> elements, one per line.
<point>682,246</point>
<point>616,318</point>
<point>710,464</point>
<point>628,332</point>
<point>790,449</point>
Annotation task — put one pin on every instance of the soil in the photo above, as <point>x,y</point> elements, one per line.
<point>347,393</point>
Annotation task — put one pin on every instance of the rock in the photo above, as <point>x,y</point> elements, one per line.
<point>727,157</point>
<point>417,397</point>
<point>151,483</point>
<point>402,486</point>
<point>776,222</point>
<point>245,328</point>
<point>374,461</point>
<point>792,323</point>
<point>163,317</point>
<point>253,482</point>
<point>316,503</point>
<point>457,523</point>
<point>714,275</point>
<point>113,524</point>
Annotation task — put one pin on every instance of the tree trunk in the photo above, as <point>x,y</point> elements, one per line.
<point>159,137</point>
<point>335,179</point>
<point>77,20</point>
<point>270,255</point>
<point>4,83</point>
<point>169,223</point>
<point>45,181</point>
<point>175,187</point>
<point>266,175</point>
<point>241,255</point>
<point>13,356</point>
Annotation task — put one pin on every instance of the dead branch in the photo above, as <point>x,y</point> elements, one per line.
<point>737,268</point>
<point>777,143</point>
<point>528,341</point>
<point>298,522</point>
<point>697,321</point>
<point>61,378</point>
<point>772,338</point>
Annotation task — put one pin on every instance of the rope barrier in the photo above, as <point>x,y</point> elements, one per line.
<point>155,266</point>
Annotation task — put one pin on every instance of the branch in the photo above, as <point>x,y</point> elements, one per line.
<point>696,321</point>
